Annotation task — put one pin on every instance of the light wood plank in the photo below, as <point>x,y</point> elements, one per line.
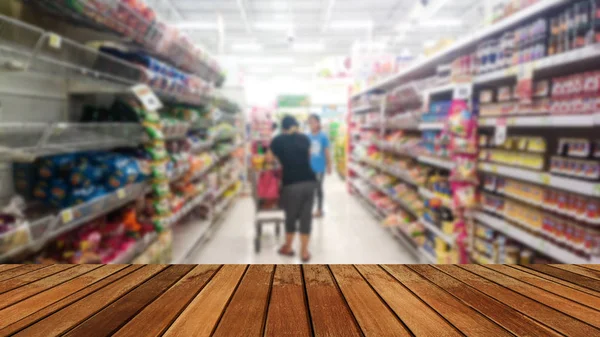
<point>20,270</point>
<point>10,297</point>
<point>418,316</point>
<point>328,310</point>
<point>22,280</point>
<point>288,313</point>
<point>41,305</point>
<point>541,313</point>
<point>568,276</point>
<point>105,322</point>
<point>69,317</point>
<point>556,280</point>
<point>245,315</point>
<point>168,306</point>
<point>501,314</point>
<point>464,318</point>
<point>5,267</point>
<point>201,316</point>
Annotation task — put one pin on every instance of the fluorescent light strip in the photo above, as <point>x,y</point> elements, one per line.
<point>246,47</point>
<point>273,26</point>
<point>351,24</point>
<point>441,23</point>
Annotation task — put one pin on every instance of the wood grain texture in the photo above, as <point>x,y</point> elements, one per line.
<point>541,313</point>
<point>556,280</point>
<point>111,318</point>
<point>555,288</point>
<point>418,316</point>
<point>288,313</point>
<point>571,277</point>
<point>63,320</point>
<point>245,315</point>
<point>203,313</point>
<point>10,297</point>
<point>30,311</point>
<point>328,310</point>
<point>20,270</point>
<point>5,267</point>
<point>169,305</point>
<point>595,274</point>
<point>464,318</point>
<point>33,276</point>
<point>501,314</point>
<point>591,266</point>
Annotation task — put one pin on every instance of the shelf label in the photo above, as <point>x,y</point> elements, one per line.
<point>121,193</point>
<point>500,133</point>
<point>54,41</point>
<point>494,168</point>
<point>545,178</point>
<point>147,97</point>
<point>67,216</point>
<point>597,190</point>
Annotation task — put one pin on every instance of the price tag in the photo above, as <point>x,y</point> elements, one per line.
<point>500,133</point>
<point>542,246</point>
<point>54,41</point>
<point>67,216</point>
<point>597,190</point>
<point>147,97</point>
<point>494,168</point>
<point>121,193</point>
<point>462,92</point>
<point>545,178</point>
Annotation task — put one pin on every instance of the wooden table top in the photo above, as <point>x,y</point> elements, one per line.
<point>294,300</point>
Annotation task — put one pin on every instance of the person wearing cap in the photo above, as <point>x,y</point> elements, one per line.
<point>292,149</point>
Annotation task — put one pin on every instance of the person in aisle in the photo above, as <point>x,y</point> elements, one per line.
<point>320,160</point>
<point>292,149</point>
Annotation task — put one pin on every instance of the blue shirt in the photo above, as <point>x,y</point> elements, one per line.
<point>318,144</point>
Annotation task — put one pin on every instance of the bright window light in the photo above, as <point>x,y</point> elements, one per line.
<point>246,47</point>
<point>273,26</point>
<point>350,24</point>
<point>197,25</point>
<point>441,23</point>
<point>308,47</point>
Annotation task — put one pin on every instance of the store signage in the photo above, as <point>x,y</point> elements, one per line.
<point>293,101</point>
<point>148,98</point>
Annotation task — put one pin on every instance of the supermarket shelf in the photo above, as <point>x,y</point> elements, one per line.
<point>179,172</point>
<point>187,208</point>
<point>204,171</point>
<point>442,89</point>
<point>385,191</point>
<point>438,232</point>
<point>437,162</point>
<point>428,194</point>
<point>187,238</point>
<point>365,108</point>
<point>221,209</point>
<point>541,245</point>
<point>135,250</point>
<point>546,179</point>
<point>469,41</point>
<point>400,174</point>
<point>224,189</point>
<point>427,258</point>
<point>566,121</point>
<point>406,241</point>
<point>431,126</point>
<point>366,202</point>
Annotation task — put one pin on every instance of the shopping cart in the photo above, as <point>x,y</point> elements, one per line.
<point>266,211</point>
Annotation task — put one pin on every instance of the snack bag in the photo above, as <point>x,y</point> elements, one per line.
<point>465,170</point>
<point>460,119</point>
<point>464,194</point>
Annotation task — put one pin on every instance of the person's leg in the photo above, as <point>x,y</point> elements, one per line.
<point>319,194</point>
<point>306,196</point>
<point>290,209</point>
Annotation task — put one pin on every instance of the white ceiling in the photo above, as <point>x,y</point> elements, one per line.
<point>262,25</point>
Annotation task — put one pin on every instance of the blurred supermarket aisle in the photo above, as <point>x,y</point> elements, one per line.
<point>347,234</point>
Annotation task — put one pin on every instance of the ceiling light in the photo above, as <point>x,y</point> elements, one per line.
<point>246,47</point>
<point>308,47</point>
<point>267,60</point>
<point>441,23</point>
<point>197,25</point>
<point>273,26</point>
<point>351,24</point>
<point>429,43</point>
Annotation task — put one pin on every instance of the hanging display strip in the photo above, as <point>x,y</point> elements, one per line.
<point>437,162</point>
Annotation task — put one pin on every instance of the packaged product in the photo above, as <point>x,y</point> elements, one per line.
<point>82,195</point>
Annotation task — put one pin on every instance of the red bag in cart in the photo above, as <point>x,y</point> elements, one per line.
<point>268,185</point>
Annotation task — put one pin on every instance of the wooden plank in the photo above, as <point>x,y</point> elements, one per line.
<point>5,267</point>
<point>111,318</point>
<point>169,305</point>
<point>246,313</point>
<point>559,289</point>
<point>31,310</point>
<point>203,313</point>
<point>464,318</point>
<point>72,315</point>
<point>418,316</point>
<point>577,279</point>
<point>16,295</point>
<point>503,315</point>
<point>591,266</point>
<point>541,313</point>
<point>595,274</point>
<point>556,280</point>
<point>20,270</point>
<point>373,315</point>
<point>24,279</point>
<point>288,312</point>
<point>328,310</point>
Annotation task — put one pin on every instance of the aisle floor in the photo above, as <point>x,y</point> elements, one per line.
<point>347,234</point>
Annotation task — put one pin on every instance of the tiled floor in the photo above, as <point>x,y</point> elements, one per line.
<point>347,234</point>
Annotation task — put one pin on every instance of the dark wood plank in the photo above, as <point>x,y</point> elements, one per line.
<point>503,315</point>
<point>20,270</point>
<point>26,312</point>
<point>464,318</point>
<point>5,267</point>
<point>245,315</point>
<point>203,313</point>
<point>541,313</point>
<point>559,289</point>
<point>24,279</point>
<point>288,313</point>
<point>580,280</point>
<point>328,310</point>
<point>595,274</point>
<point>16,295</point>
<point>591,266</point>
<point>418,316</point>
<point>373,315</point>
<point>111,318</point>
<point>556,280</point>
<point>169,305</point>
<point>72,315</point>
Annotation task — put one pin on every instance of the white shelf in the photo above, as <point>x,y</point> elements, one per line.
<point>563,121</point>
<point>438,232</point>
<point>190,205</point>
<point>546,179</point>
<point>539,244</point>
<point>437,162</point>
<point>426,193</point>
<point>431,126</point>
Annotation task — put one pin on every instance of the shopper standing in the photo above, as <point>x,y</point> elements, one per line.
<point>292,149</point>
<point>320,159</point>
